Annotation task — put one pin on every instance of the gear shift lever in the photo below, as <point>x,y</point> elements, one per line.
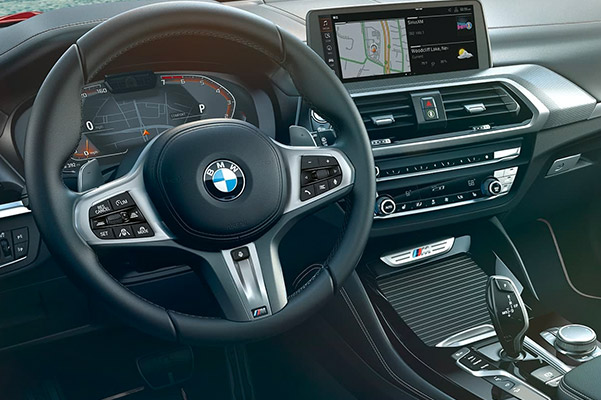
<point>508,315</point>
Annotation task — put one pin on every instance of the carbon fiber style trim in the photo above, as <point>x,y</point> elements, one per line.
<point>439,299</point>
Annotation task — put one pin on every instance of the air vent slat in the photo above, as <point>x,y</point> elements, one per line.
<point>500,107</point>
<point>399,105</point>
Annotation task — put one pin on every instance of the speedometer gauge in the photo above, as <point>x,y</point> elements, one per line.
<point>127,111</point>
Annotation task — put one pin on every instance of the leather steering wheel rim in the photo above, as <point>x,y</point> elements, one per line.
<point>55,127</point>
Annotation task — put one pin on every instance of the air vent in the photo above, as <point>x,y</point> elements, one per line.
<point>388,116</point>
<point>491,104</point>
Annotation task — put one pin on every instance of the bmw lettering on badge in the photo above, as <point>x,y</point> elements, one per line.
<point>224,180</point>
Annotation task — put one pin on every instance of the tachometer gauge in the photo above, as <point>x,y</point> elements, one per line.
<point>214,100</point>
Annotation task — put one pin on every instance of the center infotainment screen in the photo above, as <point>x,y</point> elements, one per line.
<point>367,45</point>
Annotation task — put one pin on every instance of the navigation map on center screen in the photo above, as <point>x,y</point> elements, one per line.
<point>369,48</point>
<point>367,45</point>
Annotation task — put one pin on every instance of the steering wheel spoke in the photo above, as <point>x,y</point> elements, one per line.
<point>246,280</point>
<point>119,213</point>
<point>318,176</point>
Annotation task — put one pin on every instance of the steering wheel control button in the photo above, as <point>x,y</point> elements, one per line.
<point>327,161</point>
<point>307,192</point>
<point>240,254</point>
<point>100,209</point>
<point>309,162</point>
<point>224,180</point>
<point>123,232</point>
<point>114,219</point>
<point>323,171</point>
<point>334,182</point>
<point>259,312</point>
<point>142,230</point>
<point>20,235</point>
<point>121,201</point>
<point>321,188</point>
<point>106,233</point>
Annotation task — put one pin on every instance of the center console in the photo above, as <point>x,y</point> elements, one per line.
<point>450,135</point>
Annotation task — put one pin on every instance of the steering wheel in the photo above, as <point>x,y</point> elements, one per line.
<point>219,194</point>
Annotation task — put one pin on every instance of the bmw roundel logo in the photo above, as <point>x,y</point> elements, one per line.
<point>224,180</point>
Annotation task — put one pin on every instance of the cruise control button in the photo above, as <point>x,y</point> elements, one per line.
<point>321,188</point>
<point>307,192</point>
<point>20,235</point>
<point>327,161</point>
<point>123,232</point>
<point>121,201</point>
<point>308,162</point>
<point>98,223</point>
<point>134,215</point>
<point>20,250</point>
<point>114,219</point>
<point>142,230</point>
<point>100,209</point>
<point>106,233</point>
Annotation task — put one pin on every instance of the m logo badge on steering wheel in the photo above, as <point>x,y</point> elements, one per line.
<point>224,180</point>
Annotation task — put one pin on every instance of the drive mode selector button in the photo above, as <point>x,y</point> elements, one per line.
<point>385,205</point>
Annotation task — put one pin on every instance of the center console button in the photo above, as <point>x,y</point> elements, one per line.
<point>20,235</point>
<point>545,374</point>
<point>20,250</point>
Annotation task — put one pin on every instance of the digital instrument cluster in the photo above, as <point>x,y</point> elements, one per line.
<point>122,113</point>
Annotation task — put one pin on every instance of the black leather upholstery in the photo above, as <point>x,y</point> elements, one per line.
<point>582,383</point>
<point>55,125</point>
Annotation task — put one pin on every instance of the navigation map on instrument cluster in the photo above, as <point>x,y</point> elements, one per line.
<point>370,48</point>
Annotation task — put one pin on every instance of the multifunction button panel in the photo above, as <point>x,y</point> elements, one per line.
<point>415,199</point>
<point>14,245</point>
<point>318,175</point>
<point>118,218</point>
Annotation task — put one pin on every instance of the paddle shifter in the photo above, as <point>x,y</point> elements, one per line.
<point>508,314</point>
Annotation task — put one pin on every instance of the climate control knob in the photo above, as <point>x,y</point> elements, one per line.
<point>385,205</point>
<point>491,187</point>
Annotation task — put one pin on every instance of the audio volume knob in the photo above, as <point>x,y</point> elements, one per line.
<point>491,187</point>
<point>385,205</point>
<point>577,340</point>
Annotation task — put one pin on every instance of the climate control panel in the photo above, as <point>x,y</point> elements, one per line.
<point>407,200</point>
